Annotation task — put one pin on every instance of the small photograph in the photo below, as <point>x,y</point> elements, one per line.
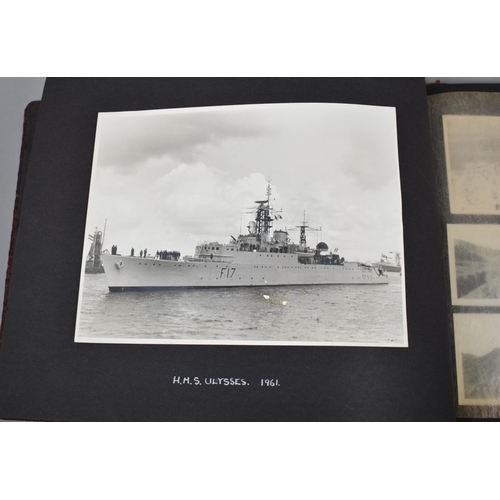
<point>277,224</point>
<point>474,252</point>
<point>477,346</point>
<point>472,145</point>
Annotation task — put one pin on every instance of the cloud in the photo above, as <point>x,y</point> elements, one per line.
<point>128,140</point>
<point>189,204</point>
<point>370,149</point>
<point>170,181</point>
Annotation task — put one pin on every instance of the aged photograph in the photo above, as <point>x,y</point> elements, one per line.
<point>477,345</point>
<point>273,224</point>
<point>472,146</point>
<point>474,252</point>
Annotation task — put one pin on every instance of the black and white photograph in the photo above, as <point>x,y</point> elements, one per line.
<point>472,145</point>
<point>272,224</point>
<point>474,252</point>
<point>477,344</point>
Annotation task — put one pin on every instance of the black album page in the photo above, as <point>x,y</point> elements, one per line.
<point>229,249</point>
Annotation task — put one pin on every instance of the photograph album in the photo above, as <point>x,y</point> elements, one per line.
<point>255,249</point>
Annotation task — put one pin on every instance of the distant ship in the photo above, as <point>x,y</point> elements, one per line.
<point>259,258</point>
<point>390,264</point>
<point>93,264</point>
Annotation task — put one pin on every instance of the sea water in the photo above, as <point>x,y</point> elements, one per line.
<point>350,314</point>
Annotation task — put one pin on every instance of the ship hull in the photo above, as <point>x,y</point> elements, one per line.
<point>250,269</point>
<point>390,269</point>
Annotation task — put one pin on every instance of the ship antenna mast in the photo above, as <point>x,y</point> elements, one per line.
<point>104,231</point>
<point>267,213</point>
<point>303,227</point>
<point>263,220</point>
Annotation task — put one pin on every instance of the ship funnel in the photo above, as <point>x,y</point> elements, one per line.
<point>281,237</point>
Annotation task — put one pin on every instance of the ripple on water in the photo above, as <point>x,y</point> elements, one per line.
<point>342,313</point>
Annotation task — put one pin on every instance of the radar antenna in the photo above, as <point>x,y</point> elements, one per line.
<point>303,227</point>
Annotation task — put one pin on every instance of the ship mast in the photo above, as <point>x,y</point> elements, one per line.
<point>303,227</point>
<point>263,219</point>
<point>104,232</point>
<point>95,248</point>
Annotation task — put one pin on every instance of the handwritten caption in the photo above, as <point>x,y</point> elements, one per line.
<point>263,382</point>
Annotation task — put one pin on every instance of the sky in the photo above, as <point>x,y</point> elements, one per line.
<point>476,334</point>
<point>472,140</point>
<point>170,179</point>
<point>484,235</point>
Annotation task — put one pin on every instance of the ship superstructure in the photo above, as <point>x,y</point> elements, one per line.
<point>93,264</point>
<point>390,263</point>
<point>262,257</point>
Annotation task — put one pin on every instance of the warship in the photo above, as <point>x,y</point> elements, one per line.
<point>93,264</point>
<point>391,265</point>
<point>262,257</point>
